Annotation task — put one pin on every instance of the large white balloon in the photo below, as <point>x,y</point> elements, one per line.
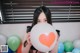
<point>76,43</point>
<point>43,37</point>
<point>2,40</point>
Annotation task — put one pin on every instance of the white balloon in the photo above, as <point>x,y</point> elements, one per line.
<point>2,40</point>
<point>76,43</point>
<point>38,41</point>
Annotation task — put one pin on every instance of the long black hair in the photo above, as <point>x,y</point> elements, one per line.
<point>36,14</point>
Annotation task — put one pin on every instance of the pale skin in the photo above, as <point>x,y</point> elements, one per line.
<point>41,19</point>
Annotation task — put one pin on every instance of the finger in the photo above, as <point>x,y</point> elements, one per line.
<point>28,39</point>
<point>28,35</point>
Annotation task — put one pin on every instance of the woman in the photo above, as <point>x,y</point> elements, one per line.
<point>41,15</point>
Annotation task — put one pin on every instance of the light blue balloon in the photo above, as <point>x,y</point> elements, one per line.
<point>76,50</point>
<point>60,47</point>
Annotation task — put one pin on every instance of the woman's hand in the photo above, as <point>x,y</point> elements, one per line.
<point>27,44</point>
<point>28,39</point>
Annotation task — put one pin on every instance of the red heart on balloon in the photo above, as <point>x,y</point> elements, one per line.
<point>47,40</point>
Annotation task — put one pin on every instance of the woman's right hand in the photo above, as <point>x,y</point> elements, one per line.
<point>28,41</point>
<point>27,44</point>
